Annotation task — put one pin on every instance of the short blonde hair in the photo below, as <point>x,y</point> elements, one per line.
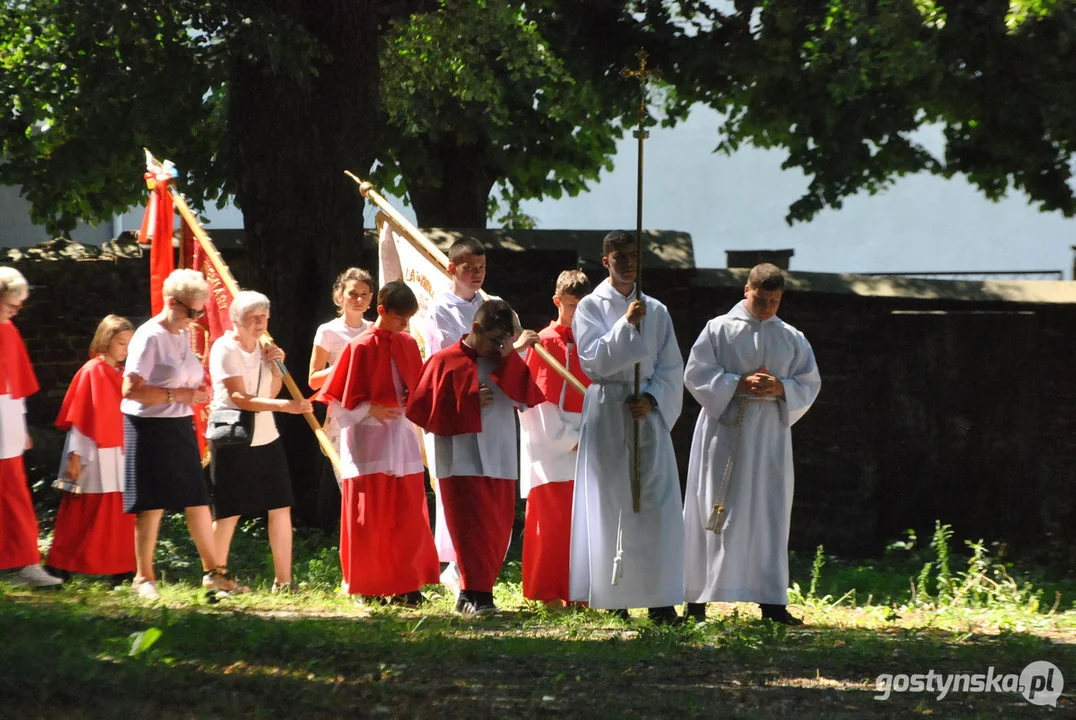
<point>185,286</point>
<point>244,302</point>
<point>12,282</point>
<point>574,283</point>
<point>107,330</point>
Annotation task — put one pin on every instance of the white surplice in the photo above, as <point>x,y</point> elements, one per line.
<point>102,468</point>
<point>748,560</point>
<point>548,435</point>
<point>646,548</point>
<point>368,446</point>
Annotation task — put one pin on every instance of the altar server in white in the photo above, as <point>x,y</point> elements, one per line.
<point>754,376</point>
<point>621,559</point>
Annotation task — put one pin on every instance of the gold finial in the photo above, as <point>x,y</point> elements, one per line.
<point>644,75</point>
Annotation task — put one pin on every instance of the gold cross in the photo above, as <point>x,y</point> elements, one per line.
<point>644,75</point>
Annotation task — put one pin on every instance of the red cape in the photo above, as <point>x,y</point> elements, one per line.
<point>446,403</point>
<point>16,373</point>
<point>555,339</point>
<point>92,404</point>
<point>363,373</point>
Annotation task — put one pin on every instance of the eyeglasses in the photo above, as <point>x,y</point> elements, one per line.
<point>191,313</point>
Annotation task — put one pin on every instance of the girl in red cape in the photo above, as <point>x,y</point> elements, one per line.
<point>386,547</point>
<point>93,535</point>
<point>18,523</point>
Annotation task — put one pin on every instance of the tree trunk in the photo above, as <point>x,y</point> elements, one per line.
<point>292,136</point>
<point>453,190</point>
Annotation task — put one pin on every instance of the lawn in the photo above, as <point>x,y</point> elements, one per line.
<point>88,651</point>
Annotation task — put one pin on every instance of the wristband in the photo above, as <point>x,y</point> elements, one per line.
<point>171,395</point>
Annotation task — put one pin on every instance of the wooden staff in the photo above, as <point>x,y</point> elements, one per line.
<point>225,275</point>
<point>434,254</point>
<point>641,134</point>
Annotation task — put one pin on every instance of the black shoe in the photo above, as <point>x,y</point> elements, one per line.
<point>121,578</point>
<point>621,613</point>
<point>779,614</point>
<point>64,575</point>
<point>408,600</point>
<point>473,602</point>
<point>665,615</point>
<point>696,611</point>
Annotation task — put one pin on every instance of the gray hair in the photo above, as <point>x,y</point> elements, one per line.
<point>13,283</point>
<point>246,301</point>
<point>185,286</point>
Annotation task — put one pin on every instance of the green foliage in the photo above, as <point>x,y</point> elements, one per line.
<point>495,85</point>
<point>816,570</point>
<point>842,85</point>
<point>84,86</point>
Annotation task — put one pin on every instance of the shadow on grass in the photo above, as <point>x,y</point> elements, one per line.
<point>66,655</point>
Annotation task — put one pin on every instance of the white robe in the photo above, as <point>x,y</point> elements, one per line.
<point>651,540</point>
<point>748,560</point>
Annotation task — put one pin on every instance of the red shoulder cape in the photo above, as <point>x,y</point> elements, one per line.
<point>446,400</point>
<point>92,404</point>
<point>363,373</point>
<point>555,339</point>
<point>16,373</point>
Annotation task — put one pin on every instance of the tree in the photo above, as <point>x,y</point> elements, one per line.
<point>522,96</point>
<point>842,85</point>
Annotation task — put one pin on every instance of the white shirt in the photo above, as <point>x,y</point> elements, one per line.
<point>165,360</point>
<point>334,335</point>
<point>228,360</point>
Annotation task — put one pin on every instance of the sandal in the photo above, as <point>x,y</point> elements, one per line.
<point>218,581</point>
<point>288,588</point>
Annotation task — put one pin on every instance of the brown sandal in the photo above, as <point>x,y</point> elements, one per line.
<point>218,580</point>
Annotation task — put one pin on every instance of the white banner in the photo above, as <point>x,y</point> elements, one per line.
<point>398,259</point>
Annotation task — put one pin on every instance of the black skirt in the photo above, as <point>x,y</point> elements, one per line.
<point>250,480</point>
<point>162,469</point>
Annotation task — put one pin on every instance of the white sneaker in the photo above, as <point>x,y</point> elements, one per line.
<point>451,579</point>
<point>146,590</point>
<point>35,576</point>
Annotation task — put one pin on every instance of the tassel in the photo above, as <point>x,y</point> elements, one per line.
<point>717,519</point>
<point>618,560</point>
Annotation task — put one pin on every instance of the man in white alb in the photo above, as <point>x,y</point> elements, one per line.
<point>621,559</point>
<point>754,376</point>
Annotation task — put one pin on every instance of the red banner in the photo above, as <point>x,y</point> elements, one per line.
<point>157,229</point>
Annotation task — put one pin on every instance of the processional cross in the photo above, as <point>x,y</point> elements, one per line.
<point>643,74</point>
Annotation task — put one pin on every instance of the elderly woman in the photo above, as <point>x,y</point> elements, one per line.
<point>162,381</point>
<point>18,522</point>
<point>252,479</point>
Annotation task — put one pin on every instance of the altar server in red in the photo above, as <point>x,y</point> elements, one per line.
<point>549,440</point>
<point>386,547</point>
<point>18,523</point>
<point>466,397</point>
<point>93,535</point>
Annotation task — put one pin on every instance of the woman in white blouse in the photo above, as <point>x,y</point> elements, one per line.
<point>353,292</point>
<point>162,382</point>
<point>252,479</point>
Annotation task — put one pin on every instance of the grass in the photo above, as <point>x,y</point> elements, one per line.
<point>88,651</point>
